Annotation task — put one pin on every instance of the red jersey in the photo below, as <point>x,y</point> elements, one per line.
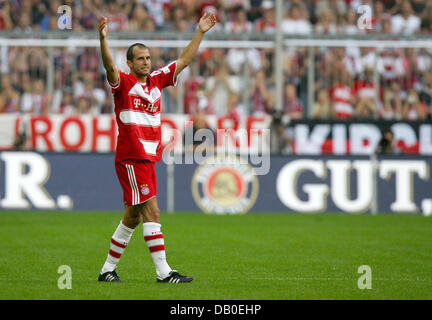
<point>341,97</point>
<point>137,109</point>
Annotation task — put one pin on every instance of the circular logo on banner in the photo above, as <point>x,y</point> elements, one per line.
<point>225,184</point>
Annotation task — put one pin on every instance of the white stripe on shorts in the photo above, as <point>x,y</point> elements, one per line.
<point>133,184</point>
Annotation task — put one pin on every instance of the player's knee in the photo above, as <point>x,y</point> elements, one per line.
<point>155,214</point>
<point>132,218</point>
<point>131,221</point>
<point>136,219</point>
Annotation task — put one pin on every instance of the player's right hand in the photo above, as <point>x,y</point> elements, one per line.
<point>103,27</point>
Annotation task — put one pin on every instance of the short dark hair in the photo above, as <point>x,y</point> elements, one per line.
<point>129,53</point>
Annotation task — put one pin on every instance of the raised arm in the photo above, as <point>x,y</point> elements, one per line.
<point>206,22</point>
<point>108,62</point>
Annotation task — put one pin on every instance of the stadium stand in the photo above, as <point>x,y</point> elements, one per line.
<point>344,87</point>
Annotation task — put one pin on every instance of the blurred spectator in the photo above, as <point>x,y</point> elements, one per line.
<point>411,76</point>
<point>87,59</point>
<point>5,16</point>
<point>209,60</point>
<point>390,64</point>
<point>220,86</point>
<point>24,23</point>
<point>349,25</point>
<point>342,96</point>
<point>366,95</point>
<point>9,98</point>
<point>230,4</point>
<point>108,105</point>
<point>256,8</point>
<point>423,62</point>
<point>405,22</point>
<point>387,144</point>
<point>234,108</point>
<point>413,109</point>
<point>95,96</point>
<point>239,22</point>
<point>204,103</point>
<point>393,102</point>
<point>237,57</point>
<point>266,23</point>
<point>67,107</point>
<point>378,16</point>
<point>21,142</point>
<point>338,7</point>
<point>42,15</point>
<point>280,139</point>
<point>426,94</point>
<point>295,65</point>
<point>117,19</point>
<point>139,16</point>
<point>156,10</point>
<point>260,97</point>
<point>178,21</point>
<point>37,61</point>
<point>57,96</point>
<point>326,22</point>
<point>323,109</point>
<point>84,105</point>
<point>88,17</point>
<point>386,24</point>
<point>292,106</point>
<point>426,19</point>
<point>365,59</point>
<point>294,23</point>
<point>192,82</point>
<point>36,101</point>
<point>302,5</point>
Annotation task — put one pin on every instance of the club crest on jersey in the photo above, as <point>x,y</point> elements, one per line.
<point>155,94</point>
<point>144,189</point>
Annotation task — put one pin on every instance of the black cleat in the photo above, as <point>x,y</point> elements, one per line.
<point>175,277</point>
<point>110,276</point>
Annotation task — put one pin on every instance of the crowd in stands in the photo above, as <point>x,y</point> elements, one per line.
<point>350,83</point>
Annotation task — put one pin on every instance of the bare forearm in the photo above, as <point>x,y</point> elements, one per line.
<point>108,61</point>
<point>107,58</point>
<point>190,51</point>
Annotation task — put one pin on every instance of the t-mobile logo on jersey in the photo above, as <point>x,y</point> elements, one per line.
<point>365,20</point>
<point>150,107</point>
<point>65,20</point>
<point>137,103</point>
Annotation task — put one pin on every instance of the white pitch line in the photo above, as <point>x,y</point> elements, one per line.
<point>337,279</point>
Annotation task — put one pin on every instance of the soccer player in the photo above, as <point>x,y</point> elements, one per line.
<point>137,108</point>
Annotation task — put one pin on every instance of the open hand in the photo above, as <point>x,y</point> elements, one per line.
<point>207,21</point>
<point>103,27</point>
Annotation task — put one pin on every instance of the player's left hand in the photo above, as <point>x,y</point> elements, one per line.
<point>207,21</point>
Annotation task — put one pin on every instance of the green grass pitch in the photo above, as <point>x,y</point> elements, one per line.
<point>253,256</point>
